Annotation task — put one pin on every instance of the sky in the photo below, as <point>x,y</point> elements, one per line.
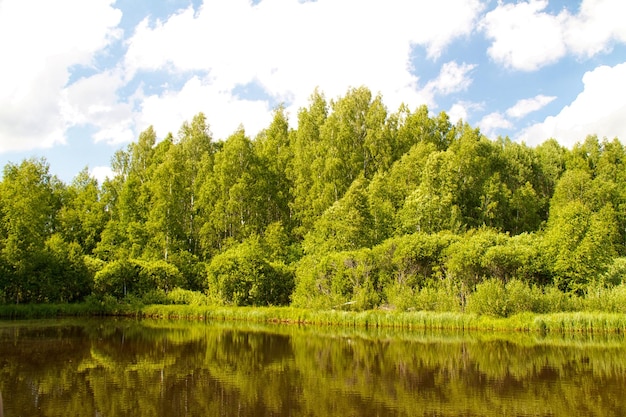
<point>81,79</point>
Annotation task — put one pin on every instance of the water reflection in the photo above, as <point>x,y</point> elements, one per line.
<point>156,368</point>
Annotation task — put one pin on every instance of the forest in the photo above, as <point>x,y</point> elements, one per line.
<point>355,208</point>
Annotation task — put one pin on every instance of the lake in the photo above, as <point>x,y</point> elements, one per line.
<point>115,368</point>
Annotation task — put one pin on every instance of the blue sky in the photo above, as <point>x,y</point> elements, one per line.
<point>81,79</point>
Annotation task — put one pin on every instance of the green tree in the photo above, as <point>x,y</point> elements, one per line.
<point>30,201</point>
<point>305,169</point>
<point>232,196</point>
<point>579,244</point>
<point>464,258</point>
<point>195,155</point>
<point>82,216</point>
<point>432,206</point>
<point>389,190</point>
<point>346,225</point>
<point>275,154</point>
<point>127,199</point>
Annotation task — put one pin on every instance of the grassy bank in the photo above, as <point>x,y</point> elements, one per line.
<point>567,322</point>
<point>528,322</point>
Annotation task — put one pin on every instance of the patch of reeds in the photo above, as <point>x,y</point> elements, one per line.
<point>591,322</point>
<point>31,311</point>
<point>562,322</point>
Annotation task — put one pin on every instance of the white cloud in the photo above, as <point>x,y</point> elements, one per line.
<point>492,123</point>
<point>598,24</point>
<point>101,173</point>
<point>167,112</point>
<point>94,100</point>
<point>451,79</point>
<point>290,47</point>
<point>461,110</point>
<point>598,109</point>
<point>41,41</point>
<point>528,105</point>
<point>525,37</point>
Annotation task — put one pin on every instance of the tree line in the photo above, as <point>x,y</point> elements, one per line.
<point>355,206</point>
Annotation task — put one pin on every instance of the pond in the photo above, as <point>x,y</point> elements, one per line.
<point>115,368</point>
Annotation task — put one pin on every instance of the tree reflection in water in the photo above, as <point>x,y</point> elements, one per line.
<point>159,368</point>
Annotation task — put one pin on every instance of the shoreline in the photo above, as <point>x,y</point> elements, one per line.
<point>563,322</point>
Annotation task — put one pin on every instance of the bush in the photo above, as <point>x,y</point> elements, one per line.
<point>610,300</point>
<point>553,300</point>
<point>365,297</point>
<point>490,299</point>
<point>520,297</point>
<point>399,296</point>
<point>616,272</point>
<point>157,296</point>
<point>186,297</point>
<point>242,276</point>
<point>333,280</point>
<point>437,298</point>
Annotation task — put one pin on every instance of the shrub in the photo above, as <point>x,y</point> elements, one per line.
<point>399,296</point>
<point>242,276</point>
<point>186,297</point>
<point>616,272</point>
<point>437,298</point>
<point>490,299</point>
<point>520,297</point>
<point>554,300</point>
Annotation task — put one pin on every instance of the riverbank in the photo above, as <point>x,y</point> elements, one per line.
<point>566,322</point>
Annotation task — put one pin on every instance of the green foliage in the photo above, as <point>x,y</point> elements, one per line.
<point>493,298</point>
<point>159,274</point>
<point>490,298</point>
<point>242,276</point>
<point>464,258</point>
<point>355,208</point>
<point>337,280</point>
<point>579,244</point>
<point>431,207</point>
<point>344,225</point>
<point>117,278</point>
<point>616,273</point>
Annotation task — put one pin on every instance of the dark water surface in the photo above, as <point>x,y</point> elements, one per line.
<point>118,368</point>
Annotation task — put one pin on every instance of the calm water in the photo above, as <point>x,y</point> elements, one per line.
<point>159,368</point>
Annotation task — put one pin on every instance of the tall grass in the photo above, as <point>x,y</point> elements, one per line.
<point>525,322</point>
<point>492,307</point>
<point>31,311</point>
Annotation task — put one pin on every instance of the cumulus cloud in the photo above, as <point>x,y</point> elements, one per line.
<point>598,25</point>
<point>286,47</point>
<point>101,173</point>
<point>492,123</point>
<point>598,109</point>
<point>525,37</point>
<point>528,105</point>
<point>42,41</point>
<point>451,79</point>
<point>461,110</point>
<point>167,111</point>
<point>289,48</point>
<point>94,100</point>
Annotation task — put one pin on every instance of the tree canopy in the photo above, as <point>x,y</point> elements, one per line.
<point>356,204</point>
